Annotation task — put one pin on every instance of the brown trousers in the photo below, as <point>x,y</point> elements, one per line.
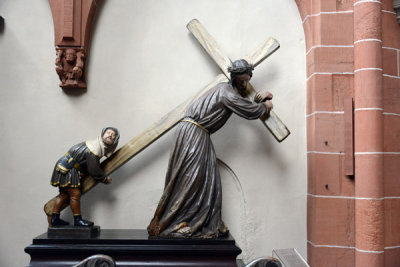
<point>74,196</point>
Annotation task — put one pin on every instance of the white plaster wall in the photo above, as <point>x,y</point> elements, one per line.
<point>143,63</point>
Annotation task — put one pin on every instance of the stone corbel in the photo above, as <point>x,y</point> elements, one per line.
<point>72,27</point>
<point>396,7</point>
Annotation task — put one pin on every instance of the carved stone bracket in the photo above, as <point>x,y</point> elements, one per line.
<point>70,67</point>
<point>396,7</point>
<point>72,27</point>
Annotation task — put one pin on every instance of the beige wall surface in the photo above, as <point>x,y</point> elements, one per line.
<point>143,62</point>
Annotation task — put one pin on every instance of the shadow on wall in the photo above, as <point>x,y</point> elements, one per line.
<point>74,92</point>
<point>267,148</point>
<point>1,24</point>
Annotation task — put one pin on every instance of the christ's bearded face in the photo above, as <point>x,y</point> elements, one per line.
<point>241,81</point>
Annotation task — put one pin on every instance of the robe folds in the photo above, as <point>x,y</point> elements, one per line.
<point>190,205</point>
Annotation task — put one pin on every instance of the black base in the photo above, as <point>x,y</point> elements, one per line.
<point>73,231</point>
<point>133,248</point>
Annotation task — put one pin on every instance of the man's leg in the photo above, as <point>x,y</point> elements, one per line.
<point>60,200</point>
<point>75,204</point>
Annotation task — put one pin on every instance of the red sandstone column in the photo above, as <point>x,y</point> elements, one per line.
<point>368,122</point>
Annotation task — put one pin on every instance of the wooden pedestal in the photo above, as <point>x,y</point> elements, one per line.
<point>132,248</point>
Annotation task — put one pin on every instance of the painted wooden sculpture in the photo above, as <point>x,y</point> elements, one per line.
<point>159,128</point>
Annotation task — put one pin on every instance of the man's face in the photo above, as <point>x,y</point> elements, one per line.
<point>70,55</point>
<point>241,82</point>
<point>109,137</point>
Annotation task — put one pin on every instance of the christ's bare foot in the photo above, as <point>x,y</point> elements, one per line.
<point>184,230</point>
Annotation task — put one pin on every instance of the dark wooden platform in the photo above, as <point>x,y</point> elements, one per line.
<point>73,231</point>
<point>132,248</point>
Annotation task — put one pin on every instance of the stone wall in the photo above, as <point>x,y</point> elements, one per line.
<point>352,53</point>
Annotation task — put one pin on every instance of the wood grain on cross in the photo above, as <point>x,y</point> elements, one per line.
<point>159,128</point>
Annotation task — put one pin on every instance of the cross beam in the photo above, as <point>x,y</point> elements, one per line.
<point>159,128</point>
<point>273,123</point>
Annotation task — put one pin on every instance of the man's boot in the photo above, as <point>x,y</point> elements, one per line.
<point>55,216</point>
<point>56,221</point>
<point>78,221</point>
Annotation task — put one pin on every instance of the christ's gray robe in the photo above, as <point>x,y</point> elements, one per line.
<point>192,196</point>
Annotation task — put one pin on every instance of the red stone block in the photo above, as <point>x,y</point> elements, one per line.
<point>391,32</point>
<point>319,93</point>
<point>387,5</point>
<point>367,21</point>
<point>329,133</point>
<point>304,8</point>
<point>326,176</point>
<point>391,133</point>
<point>330,221</point>
<point>390,62</point>
<point>369,173</point>
<point>316,6</point>
<point>330,59</point>
<point>391,173</point>
<point>327,92</point>
<point>315,27</point>
<point>392,222</point>
<point>391,95</point>
<point>368,55</point>
<point>336,29</point>
<point>344,85</point>
<point>370,225</point>
<point>348,118</point>
<point>343,5</point>
<point>368,131</point>
<point>392,257</point>
<point>347,184</point>
<point>331,6</point>
<point>308,33</point>
<point>311,173</point>
<point>331,29</point>
<point>364,259</point>
<point>368,93</point>
<point>311,214</point>
<point>67,19</point>
<point>330,257</point>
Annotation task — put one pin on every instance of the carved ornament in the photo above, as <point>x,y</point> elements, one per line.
<point>72,27</point>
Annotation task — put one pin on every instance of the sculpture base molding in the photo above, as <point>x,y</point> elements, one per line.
<point>132,248</point>
<point>70,231</point>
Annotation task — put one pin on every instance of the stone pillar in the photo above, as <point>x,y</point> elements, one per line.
<point>368,122</point>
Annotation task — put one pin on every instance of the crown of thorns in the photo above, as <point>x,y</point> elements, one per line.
<point>239,66</point>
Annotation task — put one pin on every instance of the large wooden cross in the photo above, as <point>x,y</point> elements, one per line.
<point>155,131</point>
<point>273,123</point>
